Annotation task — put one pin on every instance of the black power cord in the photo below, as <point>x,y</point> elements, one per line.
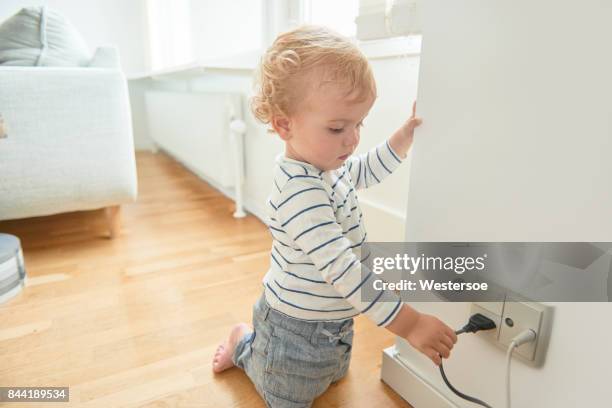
<point>459,393</point>
<point>477,323</point>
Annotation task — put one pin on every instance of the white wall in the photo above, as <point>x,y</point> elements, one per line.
<point>515,147</point>
<point>100,22</point>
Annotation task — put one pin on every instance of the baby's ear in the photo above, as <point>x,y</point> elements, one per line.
<point>282,126</point>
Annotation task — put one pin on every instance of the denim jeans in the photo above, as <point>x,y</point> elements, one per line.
<point>292,361</point>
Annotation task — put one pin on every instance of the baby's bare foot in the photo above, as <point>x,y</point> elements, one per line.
<point>223,356</point>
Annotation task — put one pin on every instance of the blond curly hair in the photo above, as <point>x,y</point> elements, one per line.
<point>303,59</point>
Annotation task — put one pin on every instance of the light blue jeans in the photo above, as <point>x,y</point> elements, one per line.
<point>291,361</point>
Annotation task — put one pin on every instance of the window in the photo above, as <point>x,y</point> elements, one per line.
<point>364,19</point>
<point>184,31</point>
<point>387,18</point>
<point>226,28</point>
<point>338,15</point>
<point>169,33</point>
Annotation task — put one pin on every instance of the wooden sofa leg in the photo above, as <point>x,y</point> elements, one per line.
<point>113,220</point>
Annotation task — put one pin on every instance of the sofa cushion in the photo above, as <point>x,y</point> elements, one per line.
<point>37,36</point>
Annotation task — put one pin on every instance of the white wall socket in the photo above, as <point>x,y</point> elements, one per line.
<point>512,317</point>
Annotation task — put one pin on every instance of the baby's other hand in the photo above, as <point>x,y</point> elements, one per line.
<point>411,123</point>
<point>432,337</point>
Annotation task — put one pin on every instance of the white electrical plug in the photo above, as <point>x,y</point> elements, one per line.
<point>526,336</point>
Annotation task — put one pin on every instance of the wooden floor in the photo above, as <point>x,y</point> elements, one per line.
<point>134,321</point>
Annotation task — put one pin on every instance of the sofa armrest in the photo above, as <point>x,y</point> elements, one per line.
<point>69,145</point>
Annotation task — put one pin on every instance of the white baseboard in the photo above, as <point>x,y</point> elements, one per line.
<point>405,380</point>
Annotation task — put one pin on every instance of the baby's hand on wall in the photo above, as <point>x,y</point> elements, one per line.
<point>401,140</point>
<point>412,123</point>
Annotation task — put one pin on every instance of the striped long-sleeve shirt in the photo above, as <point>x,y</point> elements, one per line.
<point>318,234</point>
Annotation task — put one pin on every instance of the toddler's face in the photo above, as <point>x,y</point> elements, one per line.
<point>325,131</point>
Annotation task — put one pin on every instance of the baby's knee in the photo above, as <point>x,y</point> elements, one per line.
<point>273,401</point>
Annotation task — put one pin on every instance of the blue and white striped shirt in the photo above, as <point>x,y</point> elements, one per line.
<point>318,234</point>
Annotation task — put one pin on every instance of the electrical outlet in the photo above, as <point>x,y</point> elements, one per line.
<point>520,316</point>
<point>513,317</point>
<point>492,310</point>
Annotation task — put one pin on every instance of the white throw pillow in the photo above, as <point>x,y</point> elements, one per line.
<point>37,36</point>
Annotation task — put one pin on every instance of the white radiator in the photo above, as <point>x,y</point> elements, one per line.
<point>194,128</point>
